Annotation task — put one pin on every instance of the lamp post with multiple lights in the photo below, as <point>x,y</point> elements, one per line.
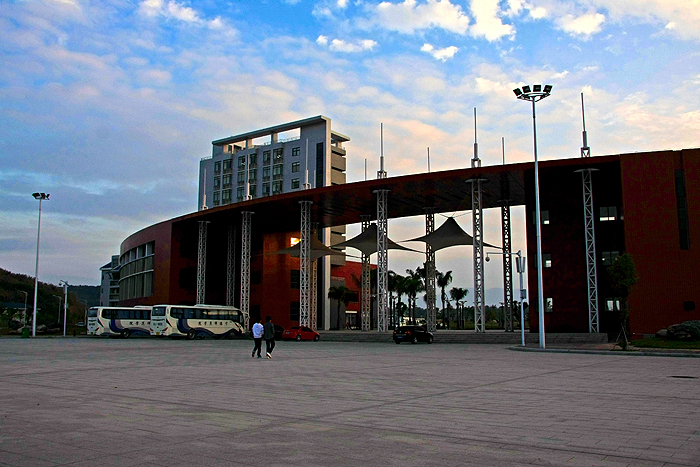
<point>41,197</point>
<point>65,304</point>
<point>536,94</point>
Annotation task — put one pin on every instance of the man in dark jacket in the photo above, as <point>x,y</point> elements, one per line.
<point>269,335</point>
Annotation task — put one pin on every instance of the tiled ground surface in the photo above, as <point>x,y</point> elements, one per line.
<point>112,402</point>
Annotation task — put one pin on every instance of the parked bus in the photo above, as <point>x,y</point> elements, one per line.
<point>196,321</point>
<point>119,321</point>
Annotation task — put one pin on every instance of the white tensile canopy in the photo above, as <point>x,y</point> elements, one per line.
<point>366,242</point>
<point>448,234</point>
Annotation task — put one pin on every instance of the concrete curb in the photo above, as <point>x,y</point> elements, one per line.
<point>622,353</point>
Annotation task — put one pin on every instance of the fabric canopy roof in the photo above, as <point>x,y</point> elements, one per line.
<point>366,242</point>
<point>317,250</point>
<point>448,234</point>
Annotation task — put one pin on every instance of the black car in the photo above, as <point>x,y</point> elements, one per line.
<point>412,334</point>
<point>279,330</point>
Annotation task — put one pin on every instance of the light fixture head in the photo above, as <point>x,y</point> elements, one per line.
<point>41,195</point>
<point>517,92</point>
<point>547,88</point>
<point>526,89</point>
<point>537,88</point>
<point>36,195</point>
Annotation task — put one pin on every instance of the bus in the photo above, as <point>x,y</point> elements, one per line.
<point>196,321</point>
<point>119,321</point>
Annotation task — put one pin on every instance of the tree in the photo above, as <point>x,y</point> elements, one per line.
<point>342,295</point>
<point>458,294</point>
<point>443,280</point>
<point>413,284</point>
<point>622,275</point>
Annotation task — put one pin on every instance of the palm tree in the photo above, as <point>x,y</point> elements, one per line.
<point>342,295</point>
<point>443,280</point>
<point>414,284</point>
<point>392,281</point>
<point>458,294</point>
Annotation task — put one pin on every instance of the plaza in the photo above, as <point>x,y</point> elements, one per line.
<point>159,402</point>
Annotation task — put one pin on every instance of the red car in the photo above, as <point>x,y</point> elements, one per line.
<point>300,333</point>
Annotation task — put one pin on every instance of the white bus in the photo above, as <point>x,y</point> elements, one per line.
<point>196,321</point>
<point>119,321</point>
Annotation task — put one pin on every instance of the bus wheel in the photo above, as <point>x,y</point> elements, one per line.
<point>126,333</point>
<point>191,334</point>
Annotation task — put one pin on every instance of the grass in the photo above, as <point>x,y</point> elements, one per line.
<point>659,343</point>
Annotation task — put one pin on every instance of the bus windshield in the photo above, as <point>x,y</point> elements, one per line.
<point>158,311</point>
<point>92,313</point>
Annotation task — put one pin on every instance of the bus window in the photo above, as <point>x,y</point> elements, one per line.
<point>158,311</point>
<point>177,312</point>
<point>92,313</point>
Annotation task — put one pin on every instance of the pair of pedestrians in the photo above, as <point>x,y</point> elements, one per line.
<point>267,332</point>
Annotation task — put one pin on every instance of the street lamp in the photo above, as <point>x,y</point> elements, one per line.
<point>41,197</point>
<point>520,267</point>
<point>65,304</point>
<point>535,94</point>
<point>24,314</point>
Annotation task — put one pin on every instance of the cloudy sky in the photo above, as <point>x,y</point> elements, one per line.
<point>109,105</point>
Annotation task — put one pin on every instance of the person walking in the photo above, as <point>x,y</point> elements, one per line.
<point>257,337</point>
<point>269,333</point>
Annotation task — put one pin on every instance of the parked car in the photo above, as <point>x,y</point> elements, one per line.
<point>412,334</point>
<point>279,332</point>
<point>300,333</point>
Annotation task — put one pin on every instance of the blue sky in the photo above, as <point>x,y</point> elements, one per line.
<point>110,105</point>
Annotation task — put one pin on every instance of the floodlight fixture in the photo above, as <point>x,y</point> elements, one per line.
<point>537,88</point>
<point>547,88</point>
<point>517,92</point>
<point>526,89</point>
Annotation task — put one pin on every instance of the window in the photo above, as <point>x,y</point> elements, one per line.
<point>266,173</point>
<point>295,184</point>
<point>546,260</point>
<point>239,193</point>
<point>682,210</point>
<point>277,171</point>
<point>608,213</point>
<point>296,152</point>
<point>277,155</point>
<point>217,167</point>
<point>216,198</point>
<point>607,257</point>
<point>227,165</point>
<point>226,196</point>
<point>252,190</point>
<point>241,177</point>
<point>277,187</point>
<point>241,162</point>
<point>544,218</point>
<point>266,189</point>
<point>253,160</point>
<point>548,305</point>
<point>294,311</point>
<point>266,157</point>
<point>227,180</point>
<point>217,183</point>
<point>295,279</point>
<point>296,167</point>
<point>252,175</point>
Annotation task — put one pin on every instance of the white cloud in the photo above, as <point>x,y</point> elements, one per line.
<point>440,54</point>
<point>171,9</point>
<point>342,3</point>
<point>584,25</point>
<point>409,16</point>
<point>322,40</point>
<point>339,45</point>
<point>487,22</point>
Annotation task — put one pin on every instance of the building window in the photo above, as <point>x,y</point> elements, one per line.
<point>252,190</point>
<point>294,311</point>
<point>227,180</point>
<point>277,171</point>
<point>295,184</point>
<point>546,260</point>
<point>544,218</point>
<point>277,155</point>
<point>217,183</point>
<point>295,279</point>
<point>608,213</point>
<point>682,209</point>
<point>266,157</point>
<point>226,196</point>
<point>239,193</point>
<point>227,165</point>
<point>241,162</point>
<point>253,160</point>
<point>241,177</point>
<point>266,173</point>
<point>296,167</point>
<point>607,257</point>
<point>548,305</point>
<point>217,167</point>
<point>277,187</point>
<point>296,152</point>
<point>252,175</point>
<point>217,196</point>
<point>266,189</point>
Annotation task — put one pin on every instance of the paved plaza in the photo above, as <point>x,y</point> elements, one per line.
<point>158,402</point>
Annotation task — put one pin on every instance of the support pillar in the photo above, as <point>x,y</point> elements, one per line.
<point>304,270</point>
<point>478,250</point>
<point>201,261</point>
<point>365,290</point>
<point>430,271</point>
<point>507,266</point>
<point>313,285</point>
<point>382,260</point>
<point>231,266</point>
<point>246,232</point>
<point>591,266</point>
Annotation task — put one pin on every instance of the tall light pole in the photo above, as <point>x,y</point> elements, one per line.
<point>535,94</point>
<point>41,197</point>
<point>65,304</point>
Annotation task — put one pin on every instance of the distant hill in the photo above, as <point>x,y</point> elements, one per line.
<point>12,299</point>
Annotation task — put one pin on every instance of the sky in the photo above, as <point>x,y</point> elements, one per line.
<point>109,105</point>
